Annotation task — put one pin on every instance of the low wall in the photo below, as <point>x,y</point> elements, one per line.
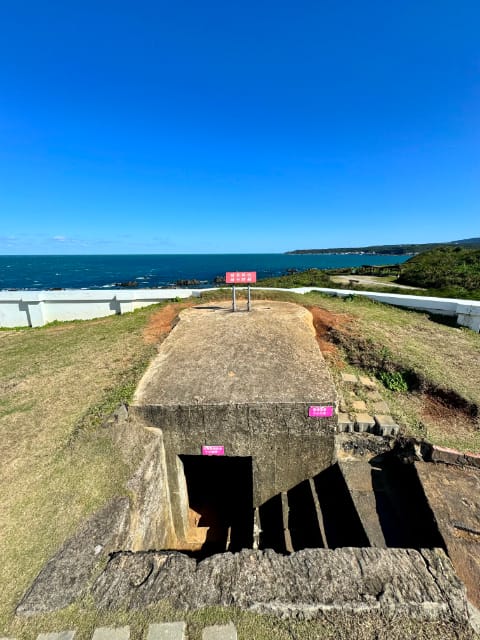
<point>36,308</point>
<point>467,312</point>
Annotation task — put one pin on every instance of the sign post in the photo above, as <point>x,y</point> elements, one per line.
<point>240,277</point>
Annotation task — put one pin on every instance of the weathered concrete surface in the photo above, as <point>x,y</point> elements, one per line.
<point>57,635</point>
<point>358,477</point>
<point>150,524</point>
<point>220,632</point>
<point>453,494</point>
<point>65,576</point>
<point>269,355</point>
<point>167,631</point>
<point>244,381</point>
<point>307,584</point>
<point>111,633</point>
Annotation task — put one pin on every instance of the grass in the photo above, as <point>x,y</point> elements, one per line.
<point>439,362</point>
<point>59,383</point>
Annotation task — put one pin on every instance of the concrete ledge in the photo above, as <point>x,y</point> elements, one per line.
<point>309,584</point>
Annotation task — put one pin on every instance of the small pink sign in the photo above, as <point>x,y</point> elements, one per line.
<point>320,411</point>
<point>240,277</point>
<point>213,450</point>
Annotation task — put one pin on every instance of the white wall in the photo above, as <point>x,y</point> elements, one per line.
<point>36,308</point>
<point>467,312</point>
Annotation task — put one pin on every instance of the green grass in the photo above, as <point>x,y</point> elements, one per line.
<point>451,284</point>
<point>444,268</point>
<point>59,383</point>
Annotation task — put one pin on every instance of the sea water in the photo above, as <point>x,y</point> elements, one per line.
<point>161,270</point>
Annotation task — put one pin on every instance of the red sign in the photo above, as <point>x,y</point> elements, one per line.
<point>320,412</point>
<point>213,450</point>
<point>240,277</point>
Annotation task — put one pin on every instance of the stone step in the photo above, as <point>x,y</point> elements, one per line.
<point>386,425</point>
<point>345,423</point>
<point>367,382</point>
<point>286,530</point>
<point>358,477</point>
<point>111,633</point>
<point>349,377</point>
<point>167,631</point>
<point>220,632</point>
<point>159,631</point>
<point>359,405</point>
<point>364,422</point>
<point>318,510</point>
<point>257,528</point>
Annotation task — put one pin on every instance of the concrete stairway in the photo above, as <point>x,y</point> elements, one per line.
<point>352,504</point>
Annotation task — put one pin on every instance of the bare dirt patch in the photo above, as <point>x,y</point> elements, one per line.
<point>163,321</point>
<point>324,321</point>
<point>435,406</point>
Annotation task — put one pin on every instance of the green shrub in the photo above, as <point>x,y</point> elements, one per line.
<point>394,380</point>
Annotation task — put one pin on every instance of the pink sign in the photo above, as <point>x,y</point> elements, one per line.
<point>320,412</point>
<point>213,450</point>
<point>240,277</point>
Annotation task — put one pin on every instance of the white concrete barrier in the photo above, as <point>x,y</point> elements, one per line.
<point>36,308</point>
<point>467,312</point>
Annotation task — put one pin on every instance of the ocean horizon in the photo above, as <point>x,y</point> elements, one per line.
<point>36,272</point>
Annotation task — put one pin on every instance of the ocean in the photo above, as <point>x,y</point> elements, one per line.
<point>160,270</point>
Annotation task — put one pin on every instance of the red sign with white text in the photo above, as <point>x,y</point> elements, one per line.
<point>320,412</point>
<point>213,450</point>
<point>240,277</point>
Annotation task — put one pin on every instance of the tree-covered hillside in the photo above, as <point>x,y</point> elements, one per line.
<point>392,249</point>
<point>444,268</point>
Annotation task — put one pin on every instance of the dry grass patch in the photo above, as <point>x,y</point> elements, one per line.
<point>441,363</point>
<point>57,385</point>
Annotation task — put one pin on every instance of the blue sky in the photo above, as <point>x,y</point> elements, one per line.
<point>198,127</point>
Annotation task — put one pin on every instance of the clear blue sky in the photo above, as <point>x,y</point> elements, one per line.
<point>253,126</point>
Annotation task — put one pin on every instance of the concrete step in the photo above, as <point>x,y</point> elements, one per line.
<point>167,631</point>
<point>220,632</point>
<point>286,530</point>
<point>159,631</point>
<point>57,635</point>
<point>358,477</point>
<point>318,512</point>
<point>111,633</point>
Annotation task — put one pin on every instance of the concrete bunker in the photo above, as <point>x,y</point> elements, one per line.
<point>244,384</point>
<point>328,523</point>
<point>280,482</point>
<point>220,503</point>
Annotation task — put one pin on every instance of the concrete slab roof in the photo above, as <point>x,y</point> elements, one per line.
<point>214,356</point>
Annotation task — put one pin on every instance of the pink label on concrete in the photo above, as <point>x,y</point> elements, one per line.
<point>320,412</point>
<point>213,450</point>
<point>240,277</point>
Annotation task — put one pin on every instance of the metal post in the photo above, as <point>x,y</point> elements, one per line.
<point>249,299</point>
<point>234,299</point>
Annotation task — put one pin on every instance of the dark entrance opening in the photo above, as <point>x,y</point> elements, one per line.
<point>220,497</point>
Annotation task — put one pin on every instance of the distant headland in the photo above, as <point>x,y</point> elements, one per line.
<point>390,249</point>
